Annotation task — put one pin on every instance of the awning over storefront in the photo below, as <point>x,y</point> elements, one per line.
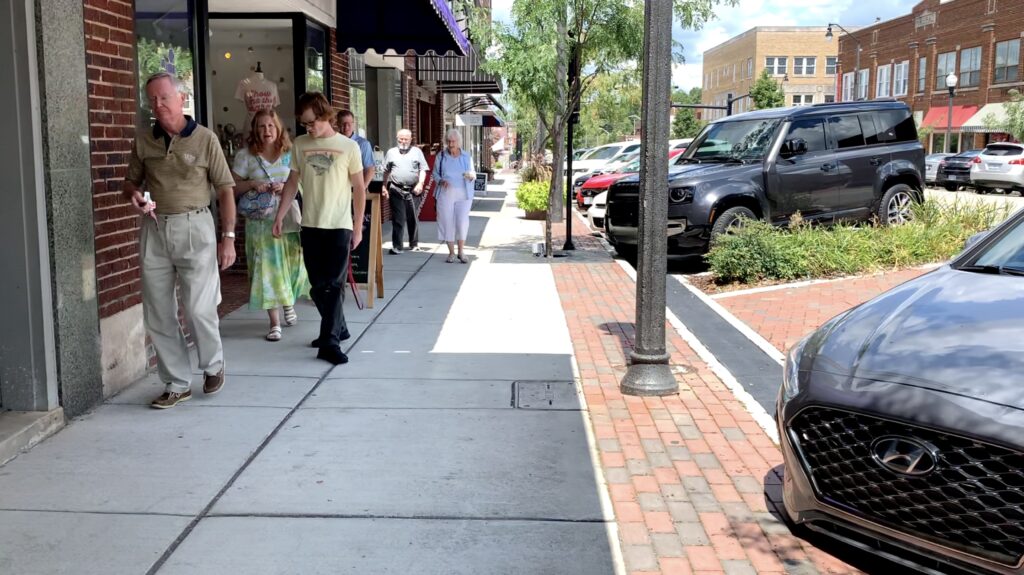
<point>937,117</point>
<point>457,74</point>
<point>989,116</point>
<point>423,26</point>
<point>481,119</point>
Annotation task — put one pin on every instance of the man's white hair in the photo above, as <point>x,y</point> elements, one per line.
<point>179,86</point>
<point>458,137</point>
<point>404,131</point>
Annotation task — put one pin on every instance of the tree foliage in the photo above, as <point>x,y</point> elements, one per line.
<point>685,123</point>
<point>1013,123</point>
<point>766,92</point>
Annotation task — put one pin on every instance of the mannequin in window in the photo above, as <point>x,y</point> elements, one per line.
<point>257,93</point>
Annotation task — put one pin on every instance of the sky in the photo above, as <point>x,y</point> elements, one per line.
<point>749,13</point>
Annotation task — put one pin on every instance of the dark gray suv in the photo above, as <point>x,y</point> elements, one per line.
<point>858,160</point>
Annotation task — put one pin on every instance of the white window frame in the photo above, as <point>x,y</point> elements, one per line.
<point>883,77</point>
<point>900,78</point>
<point>807,65</point>
<point>922,75</point>
<point>848,87</point>
<point>772,64</point>
<point>831,63</point>
<point>862,83</point>
<point>804,99</point>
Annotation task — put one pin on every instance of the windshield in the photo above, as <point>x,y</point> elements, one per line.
<point>741,140</point>
<point>602,153</point>
<point>1007,252</point>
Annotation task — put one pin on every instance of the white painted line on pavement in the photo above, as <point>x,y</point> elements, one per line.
<point>756,338</point>
<point>759,414</point>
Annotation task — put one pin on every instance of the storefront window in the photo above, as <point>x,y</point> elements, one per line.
<point>165,43</point>
<point>357,91</point>
<point>316,59</point>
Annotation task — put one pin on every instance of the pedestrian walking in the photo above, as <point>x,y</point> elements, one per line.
<point>176,162</point>
<point>276,274</point>
<point>454,191</point>
<point>347,125</point>
<point>405,170</point>
<point>330,169</point>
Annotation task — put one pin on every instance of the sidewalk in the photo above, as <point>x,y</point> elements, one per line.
<point>452,442</point>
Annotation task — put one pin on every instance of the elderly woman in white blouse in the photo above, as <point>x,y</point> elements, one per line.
<point>454,174</point>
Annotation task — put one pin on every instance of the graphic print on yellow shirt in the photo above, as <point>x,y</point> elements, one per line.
<point>324,166</point>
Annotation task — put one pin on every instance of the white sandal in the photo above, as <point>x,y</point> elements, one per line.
<point>274,334</point>
<point>290,317</point>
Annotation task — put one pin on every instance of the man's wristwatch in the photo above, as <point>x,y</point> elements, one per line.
<point>228,235</point>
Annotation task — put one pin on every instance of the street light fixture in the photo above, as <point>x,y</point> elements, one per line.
<point>856,63</point>
<point>635,119</point>
<point>951,81</point>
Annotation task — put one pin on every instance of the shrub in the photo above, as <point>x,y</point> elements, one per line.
<point>535,172</point>
<point>533,196</point>
<point>497,165</point>
<point>760,251</point>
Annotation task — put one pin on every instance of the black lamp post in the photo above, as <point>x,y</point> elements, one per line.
<point>856,63</point>
<point>951,81</point>
<point>574,118</point>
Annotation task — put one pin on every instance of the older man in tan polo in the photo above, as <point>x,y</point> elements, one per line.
<point>176,163</point>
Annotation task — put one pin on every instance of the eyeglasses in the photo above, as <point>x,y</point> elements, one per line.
<point>307,125</point>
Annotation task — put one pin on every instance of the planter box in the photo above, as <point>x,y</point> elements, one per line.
<point>536,214</point>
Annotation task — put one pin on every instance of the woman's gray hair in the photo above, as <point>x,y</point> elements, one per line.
<point>179,86</point>
<point>458,137</point>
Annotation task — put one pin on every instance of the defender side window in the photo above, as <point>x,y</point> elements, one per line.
<point>846,130</point>
<point>811,131</point>
<point>896,126</point>
<point>872,131</point>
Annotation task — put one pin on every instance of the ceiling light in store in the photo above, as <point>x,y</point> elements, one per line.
<point>227,55</point>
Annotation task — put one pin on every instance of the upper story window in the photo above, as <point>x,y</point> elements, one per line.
<point>900,74</point>
<point>750,67</point>
<point>1007,61</point>
<point>848,87</point>
<point>862,83</point>
<point>830,65</point>
<point>776,65</point>
<point>882,81</point>
<point>922,75</point>
<point>970,67</point>
<point>804,65</point>
<point>945,64</point>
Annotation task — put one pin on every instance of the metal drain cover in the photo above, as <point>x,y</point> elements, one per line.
<point>545,395</point>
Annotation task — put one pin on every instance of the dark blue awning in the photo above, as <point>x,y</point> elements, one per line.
<point>423,26</point>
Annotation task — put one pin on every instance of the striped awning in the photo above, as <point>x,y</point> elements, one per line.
<point>457,74</point>
<point>987,120</point>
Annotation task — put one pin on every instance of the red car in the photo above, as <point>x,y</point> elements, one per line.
<point>597,184</point>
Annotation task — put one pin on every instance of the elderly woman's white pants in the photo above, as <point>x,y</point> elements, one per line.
<point>452,217</point>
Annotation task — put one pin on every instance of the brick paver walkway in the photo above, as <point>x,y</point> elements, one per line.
<point>687,474</point>
<point>785,315</point>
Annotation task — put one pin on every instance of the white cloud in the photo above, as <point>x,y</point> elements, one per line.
<point>501,11</point>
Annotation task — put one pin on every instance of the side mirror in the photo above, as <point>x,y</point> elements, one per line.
<point>974,239</point>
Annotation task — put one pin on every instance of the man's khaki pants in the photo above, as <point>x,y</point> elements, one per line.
<point>181,247</point>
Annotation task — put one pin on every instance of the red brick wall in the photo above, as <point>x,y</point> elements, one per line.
<point>339,74</point>
<point>110,65</point>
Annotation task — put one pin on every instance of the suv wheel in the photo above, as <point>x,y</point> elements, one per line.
<point>731,219</point>
<point>897,205</point>
<point>952,187</point>
<point>626,251</point>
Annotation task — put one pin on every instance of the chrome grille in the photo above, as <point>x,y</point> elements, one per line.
<point>973,501</point>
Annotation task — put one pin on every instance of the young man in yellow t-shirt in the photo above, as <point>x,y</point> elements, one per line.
<point>330,169</point>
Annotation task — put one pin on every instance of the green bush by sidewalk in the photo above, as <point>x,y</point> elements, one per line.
<point>533,196</point>
<point>762,252</point>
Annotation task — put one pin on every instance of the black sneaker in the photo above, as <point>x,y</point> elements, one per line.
<point>316,342</point>
<point>333,355</point>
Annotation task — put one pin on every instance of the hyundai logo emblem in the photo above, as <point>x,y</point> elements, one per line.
<point>905,456</point>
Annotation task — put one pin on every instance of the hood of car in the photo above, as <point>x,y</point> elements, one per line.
<point>696,173</point>
<point>950,331</point>
<point>604,180</point>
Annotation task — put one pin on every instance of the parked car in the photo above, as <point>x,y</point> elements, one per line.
<point>955,171</point>
<point>679,144</point>
<point>613,165</point>
<point>599,183</point>
<point>999,166</point>
<point>931,166</point>
<point>595,213</point>
<point>599,156</point>
<point>900,420</point>
<point>855,160</point>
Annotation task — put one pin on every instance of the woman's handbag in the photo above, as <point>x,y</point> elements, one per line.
<point>256,205</point>
<point>293,218</point>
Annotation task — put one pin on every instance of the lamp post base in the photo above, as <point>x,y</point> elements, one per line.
<point>649,375</point>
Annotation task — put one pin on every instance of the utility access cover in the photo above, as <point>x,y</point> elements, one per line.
<point>545,395</point>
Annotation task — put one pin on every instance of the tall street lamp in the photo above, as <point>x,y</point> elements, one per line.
<point>951,81</point>
<point>856,63</point>
<point>635,119</point>
<point>648,372</point>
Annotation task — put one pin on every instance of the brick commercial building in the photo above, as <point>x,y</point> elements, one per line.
<point>75,69</point>
<point>909,58</point>
<point>799,57</point>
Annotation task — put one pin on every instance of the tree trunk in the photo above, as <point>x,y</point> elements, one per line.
<point>555,203</point>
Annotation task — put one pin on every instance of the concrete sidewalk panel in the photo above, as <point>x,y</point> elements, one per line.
<point>385,364</point>
<point>131,459</point>
<point>412,394</point>
<point>419,306</point>
<point>416,463</point>
<point>260,545</point>
<point>45,543</point>
<point>239,391</point>
<point>247,353</point>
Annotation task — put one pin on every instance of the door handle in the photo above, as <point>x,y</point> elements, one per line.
<point>828,167</point>
<point>876,161</point>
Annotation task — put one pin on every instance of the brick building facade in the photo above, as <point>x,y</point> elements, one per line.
<point>908,58</point>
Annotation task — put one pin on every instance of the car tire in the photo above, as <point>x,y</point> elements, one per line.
<point>951,187</point>
<point>981,191</point>
<point>896,205</point>
<point>730,219</point>
<point>626,251</point>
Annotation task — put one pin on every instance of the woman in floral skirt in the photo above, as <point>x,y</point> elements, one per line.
<point>276,274</point>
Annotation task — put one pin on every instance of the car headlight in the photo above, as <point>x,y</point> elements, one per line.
<point>681,195</point>
<point>791,373</point>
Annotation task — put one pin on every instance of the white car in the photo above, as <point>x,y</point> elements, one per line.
<point>680,143</point>
<point>623,159</point>
<point>601,155</point>
<point>999,166</point>
<point>595,213</point>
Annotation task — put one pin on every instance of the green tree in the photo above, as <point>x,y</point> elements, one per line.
<point>685,123</point>
<point>1013,123</point>
<point>766,92</point>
